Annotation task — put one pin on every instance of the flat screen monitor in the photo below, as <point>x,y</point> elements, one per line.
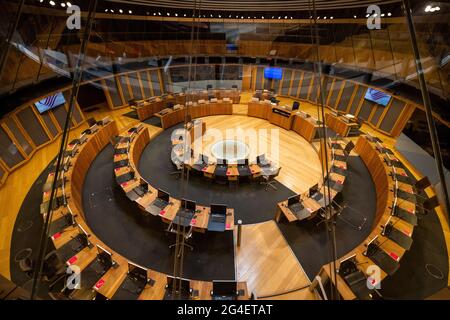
<point>313,190</point>
<point>137,271</point>
<point>224,288</point>
<point>378,97</point>
<point>273,73</point>
<point>188,205</point>
<point>219,209</point>
<point>163,195</point>
<point>293,200</point>
<point>50,102</point>
<point>183,288</point>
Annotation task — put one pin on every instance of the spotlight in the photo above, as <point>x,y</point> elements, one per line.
<point>389,14</point>
<point>176,14</point>
<point>427,8</point>
<point>106,10</point>
<point>184,15</point>
<point>354,17</point>
<point>382,15</point>
<point>262,17</point>
<point>130,12</point>
<point>52,3</point>
<point>68,4</point>
<point>325,18</point>
<point>63,4</point>
<point>120,10</point>
<point>367,15</point>
<point>331,18</point>
<point>220,16</point>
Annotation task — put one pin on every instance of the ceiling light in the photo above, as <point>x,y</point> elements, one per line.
<point>184,15</point>
<point>168,14</point>
<point>367,15</point>
<point>389,14</point>
<point>438,8</point>
<point>106,10</point>
<point>130,12</point>
<point>112,10</point>
<point>120,10</point>
<point>427,8</point>
<point>52,3</point>
<point>331,18</point>
<point>382,15</point>
<point>63,4</point>
<point>220,16</point>
<point>262,17</point>
<point>68,4</point>
<point>354,17</point>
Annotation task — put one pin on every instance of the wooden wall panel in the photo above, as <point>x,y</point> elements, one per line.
<point>145,81</point>
<point>357,99</point>
<point>286,84</point>
<point>29,121</point>
<point>126,88</point>
<point>376,114</point>
<point>393,114</point>
<point>305,86</point>
<point>335,92</point>
<point>135,85</point>
<point>20,136</point>
<point>346,96</point>
<point>365,110</point>
<point>9,152</point>
<point>296,78</point>
<point>154,77</point>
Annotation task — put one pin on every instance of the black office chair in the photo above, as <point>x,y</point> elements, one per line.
<point>170,105</point>
<point>295,105</point>
<point>91,122</point>
<point>54,269</point>
<point>269,180</point>
<point>429,204</point>
<point>422,184</point>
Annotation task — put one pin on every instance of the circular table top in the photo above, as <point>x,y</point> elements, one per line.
<point>230,150</point>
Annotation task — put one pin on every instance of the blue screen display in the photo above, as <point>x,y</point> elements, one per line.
<point>50,102</point>
<point>377,97</point>
<point>273,73</point>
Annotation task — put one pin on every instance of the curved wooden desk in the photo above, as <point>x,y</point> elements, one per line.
<point>136,147</point>
<point>309,203</point>
<point>110,281</point>
<point>172,116</point>
<point>382,175</point>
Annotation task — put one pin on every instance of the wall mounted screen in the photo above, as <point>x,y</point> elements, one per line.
<point>50,102</point>
<point>273,73</point>
<point>378,97</point>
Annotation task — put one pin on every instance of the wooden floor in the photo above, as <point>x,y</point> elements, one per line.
<point>264,259</point>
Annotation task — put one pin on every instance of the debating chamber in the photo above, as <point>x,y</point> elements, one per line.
<point>224,150</point>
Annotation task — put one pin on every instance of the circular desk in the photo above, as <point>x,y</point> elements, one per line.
<point>230,150</point>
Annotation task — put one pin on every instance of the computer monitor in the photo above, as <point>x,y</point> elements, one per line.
<point>224,288</point>
<point>143,184</point>
<point>83,236</point>
<point>218,209</point>
<point>295,105</point>
<point>188,205</point>
<point>105,257</point>
<point>243,162</point>
<point>348,265</point>
<point>372,246</point>
<point>83,138</point>
<point>313,190</point>
<point>163,195</point>
<point>137,272</point>
<point>205,159</point>
<point>222,162</point>
<point>293,200</point>
<point>183,285</point>
<point>261,159</point>
<point>91,122</point>
<point>387,227</point>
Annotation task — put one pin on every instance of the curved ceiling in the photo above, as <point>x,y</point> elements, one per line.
<point>261,5</point>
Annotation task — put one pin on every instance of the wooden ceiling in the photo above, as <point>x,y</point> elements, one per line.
<point>261,5</point>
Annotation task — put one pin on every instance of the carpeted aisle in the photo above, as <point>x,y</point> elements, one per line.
<point>117,221</point>
<point>27,232</point>
<point>251,202</point>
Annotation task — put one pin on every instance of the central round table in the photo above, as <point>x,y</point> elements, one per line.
<point>230,150</point>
